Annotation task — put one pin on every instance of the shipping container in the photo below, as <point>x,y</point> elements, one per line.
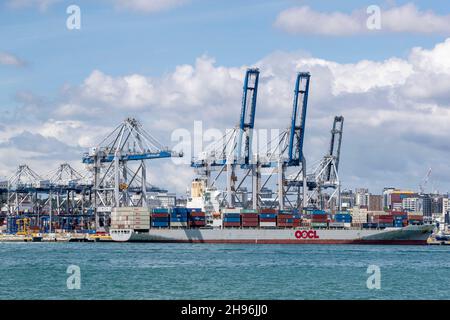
<point>231,224</point>
<point>268,215</point>
<point>268,220</point>
<point>270,211</point>
<point>250,216</point>
<point>161,210</point>
<point>319,224</point>
<point>336,225</point>
<point>157,224</point>
<point>267,224</point>
<point>245,211</point>
<point>178,224</point>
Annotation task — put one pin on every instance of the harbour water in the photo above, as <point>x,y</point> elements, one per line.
<point>207,271</point>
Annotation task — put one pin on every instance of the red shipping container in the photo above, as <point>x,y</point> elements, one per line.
<point>248,224</point>
<point>268,220</point>
<point>286,216</point>
<point>249,215</point>
<point>197,223</point>
<point>197,214</point>
<point>268,211</point>
<point>231,224</point>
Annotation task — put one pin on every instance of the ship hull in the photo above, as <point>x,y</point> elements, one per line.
<point>411,235</point>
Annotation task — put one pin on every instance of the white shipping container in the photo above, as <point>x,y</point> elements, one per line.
<point>336,224</point>
<point>267,224</point>
<point>178,224</point>
<point>235,210</point>
<point>103,209</point>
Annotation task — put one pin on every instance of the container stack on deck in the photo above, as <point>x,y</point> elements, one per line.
<point>341,220</point>
<point>415,219</point>
<point>400,219</point>
<point>249,218</point>
<point>268,218</point>
<point>136,218</point>
<point>231,218</point>
<point>384,220</point>
<point>197,218</point>
<point>319,219</point>
<point>160,218</point>
<point>288,219</point>
<point>179,217</point>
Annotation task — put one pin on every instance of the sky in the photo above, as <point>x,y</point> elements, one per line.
<point>170,63</point>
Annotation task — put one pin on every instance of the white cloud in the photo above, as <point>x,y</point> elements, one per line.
<point>403,19</point>
<point>396,112</point>
<point>10,60</point>
<point>148,6</point>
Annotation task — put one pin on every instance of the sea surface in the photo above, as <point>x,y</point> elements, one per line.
<point>209,271</point>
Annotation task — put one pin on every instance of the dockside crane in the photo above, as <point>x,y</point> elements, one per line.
<point>288,150</point>
<point>118,165</point>
<point>234,150</point>
<point>326,173</point>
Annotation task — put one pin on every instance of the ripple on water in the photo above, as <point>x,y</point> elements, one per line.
<point>215,271</point>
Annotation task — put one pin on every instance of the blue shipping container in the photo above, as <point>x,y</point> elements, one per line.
<point>268,215</point>
<point>161,210</point>
<point>232,215</point>
<point>160,224</point>
<point>232,220</point>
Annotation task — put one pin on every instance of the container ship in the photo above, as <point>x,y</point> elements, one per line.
<point>202,221</point>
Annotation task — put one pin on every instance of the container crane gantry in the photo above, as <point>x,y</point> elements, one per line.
<point>234,150</point>
<point>119,169</point>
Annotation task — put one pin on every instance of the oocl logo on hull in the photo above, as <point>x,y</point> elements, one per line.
<point>306,234</point>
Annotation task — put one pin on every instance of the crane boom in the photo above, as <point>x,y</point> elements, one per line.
<point>247,118</point>
<point>298,120</point>
<point>335,144</point>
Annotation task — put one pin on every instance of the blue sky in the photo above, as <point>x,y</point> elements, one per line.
<point>120,41</point>
<point>117,42</point>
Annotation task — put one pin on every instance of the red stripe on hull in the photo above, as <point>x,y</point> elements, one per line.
<point>287,241</point>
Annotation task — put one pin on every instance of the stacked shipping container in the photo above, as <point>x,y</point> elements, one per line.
<point>160,218</point>
<point>319,219</point>
<point>231,218</point>
<point>197,218</point>
<point>249,218</point>
<point>268,218</point>
<point>179,217</point>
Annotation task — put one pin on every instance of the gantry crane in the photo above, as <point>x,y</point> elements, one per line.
<point>325,173</point>
<point>118,165</point>
<point>288,151</point>
<point>234,150</point>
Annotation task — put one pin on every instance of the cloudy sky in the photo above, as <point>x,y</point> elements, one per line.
<point>172,62</point>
